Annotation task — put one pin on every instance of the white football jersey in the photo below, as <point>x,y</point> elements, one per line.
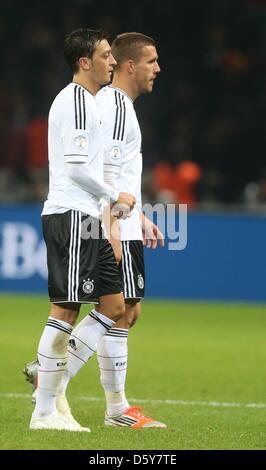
<point>122,152</point>
<point>74,135</point>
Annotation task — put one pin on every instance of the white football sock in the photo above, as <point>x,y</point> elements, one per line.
<point>52,358</point>
<point>112,355</point>
<point>83,343</point>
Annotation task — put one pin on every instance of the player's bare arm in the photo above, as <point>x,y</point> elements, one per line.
<point>112,232</point>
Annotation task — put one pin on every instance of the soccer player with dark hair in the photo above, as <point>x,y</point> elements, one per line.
<point>81,266</point>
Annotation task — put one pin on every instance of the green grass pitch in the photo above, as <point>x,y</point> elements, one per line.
<point>199,367</point>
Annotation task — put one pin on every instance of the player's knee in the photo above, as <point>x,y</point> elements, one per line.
<point>127,323</point>
<point>132,312</point>
<point>134,318</point>
<point>68,312</point>
<point>133,321</point>
<point>118,311</point>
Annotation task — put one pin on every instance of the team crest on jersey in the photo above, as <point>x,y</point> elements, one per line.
<point>88,286</point>
<point>140,281</point>
<point>81,142</point>
<point>115,153</point>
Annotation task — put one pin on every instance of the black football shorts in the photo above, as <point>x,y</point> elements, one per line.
<point>81,262</point>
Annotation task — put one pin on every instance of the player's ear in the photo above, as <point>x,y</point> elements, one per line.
<point>85,63</point>
<point>130,66</point>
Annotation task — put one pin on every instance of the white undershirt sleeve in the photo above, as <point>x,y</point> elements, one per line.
<point>83,175</point>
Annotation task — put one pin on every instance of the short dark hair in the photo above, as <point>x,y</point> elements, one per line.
<point>81,43</point>
<point>129,45</point>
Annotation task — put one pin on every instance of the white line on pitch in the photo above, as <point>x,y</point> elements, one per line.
<point>156,402</point>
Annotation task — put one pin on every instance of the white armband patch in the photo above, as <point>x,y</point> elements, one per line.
<point>76,146</point>
<point>81,142</point>
<point>115,153</point>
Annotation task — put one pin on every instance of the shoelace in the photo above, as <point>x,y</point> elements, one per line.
<point>138,412</point>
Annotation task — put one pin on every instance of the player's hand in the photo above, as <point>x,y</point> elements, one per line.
<point>128,199</point>
<point>123,206</point>
<point>151,234</point>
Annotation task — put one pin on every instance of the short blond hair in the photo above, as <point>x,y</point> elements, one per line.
<point>128,46</point>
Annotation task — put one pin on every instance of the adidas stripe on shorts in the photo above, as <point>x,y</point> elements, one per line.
<point>131,269</point>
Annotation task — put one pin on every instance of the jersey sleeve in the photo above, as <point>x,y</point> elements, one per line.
<point>76,146</point>
<point>76,128</point>
<point>115,125</point>
<point>131,164</point>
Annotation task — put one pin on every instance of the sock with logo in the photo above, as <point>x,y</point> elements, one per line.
<point>52,358</point>
<point>112,353</point>
<point>83,343</point>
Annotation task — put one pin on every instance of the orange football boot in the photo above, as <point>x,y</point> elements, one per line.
<point>134,418</point>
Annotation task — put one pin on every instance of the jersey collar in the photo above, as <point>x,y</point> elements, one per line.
<point>88,91</point>
<point>122,91</point>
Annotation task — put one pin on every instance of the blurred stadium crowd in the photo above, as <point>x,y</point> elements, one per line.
<point>204,125</point>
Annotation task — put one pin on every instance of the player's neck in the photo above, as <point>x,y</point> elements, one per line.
<point>86,83</point>
<point>124,85</point>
